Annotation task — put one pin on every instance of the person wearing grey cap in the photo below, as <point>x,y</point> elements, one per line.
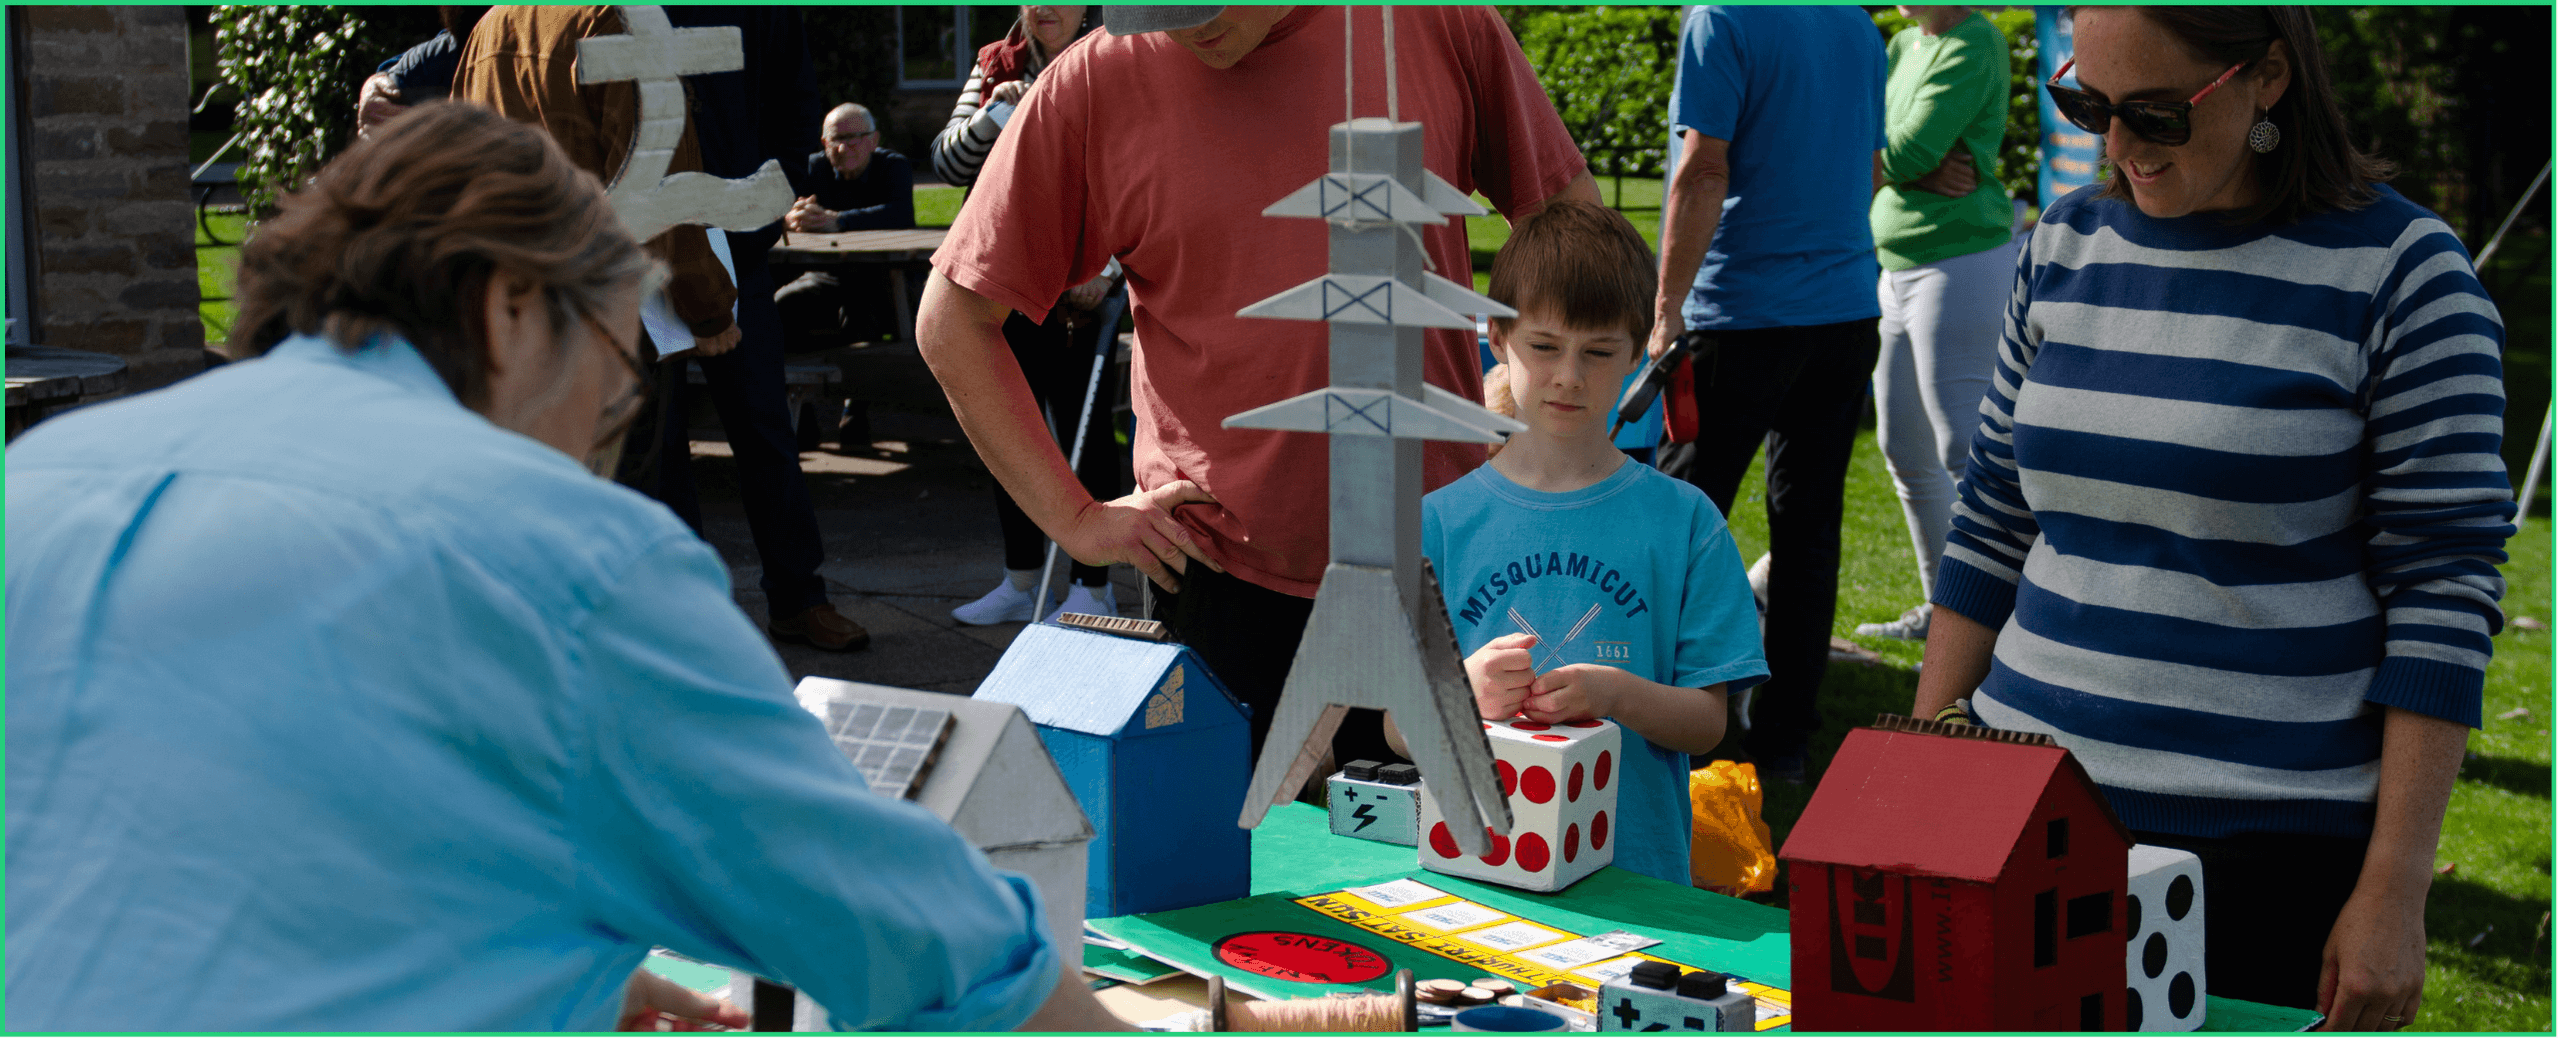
<point>1159,143</point>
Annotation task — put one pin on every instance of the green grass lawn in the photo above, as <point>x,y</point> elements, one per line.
<point>217,273</point>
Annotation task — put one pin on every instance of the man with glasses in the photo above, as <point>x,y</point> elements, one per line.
<point>853,184</point>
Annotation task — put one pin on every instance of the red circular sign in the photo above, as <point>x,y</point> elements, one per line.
<point>1303,958</point>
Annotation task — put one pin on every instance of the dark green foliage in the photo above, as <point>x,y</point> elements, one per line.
<point>2020,158</point>
<point>1608,71</point>
<point>298,70</point>
<point>855,51</point>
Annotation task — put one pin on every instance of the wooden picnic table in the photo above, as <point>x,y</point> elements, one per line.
<point>893,249</point>
<point>44,380</point>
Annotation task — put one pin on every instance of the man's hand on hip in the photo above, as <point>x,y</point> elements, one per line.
<point>1139,530</point>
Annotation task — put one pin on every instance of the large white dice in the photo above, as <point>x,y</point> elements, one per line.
<point>2163,912</point>
<point>1562,783</point>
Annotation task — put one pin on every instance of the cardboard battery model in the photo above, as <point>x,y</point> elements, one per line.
<point>1375,801</point>
<point>1955,878</point>
<point>1658,996</point>
<point>1154,748</point>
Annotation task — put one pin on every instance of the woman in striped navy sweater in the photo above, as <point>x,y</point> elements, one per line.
<point>2233,515</point>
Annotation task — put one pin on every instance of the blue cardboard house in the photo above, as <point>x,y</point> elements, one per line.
<point>1154,748</point>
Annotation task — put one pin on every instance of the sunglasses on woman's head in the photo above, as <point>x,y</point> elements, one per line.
<point>2160,122</point>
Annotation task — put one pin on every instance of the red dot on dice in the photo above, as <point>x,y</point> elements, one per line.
<point>1572,784</point>
<point>1500,849</point>
<point>1538,784</point>
<point>1598,831</point>
<point>1532,852</point>
<point>1599,775</point>
<point>1581,724</point>
<point>1442,842</point>
<point>1509,776</point>
<point>1551,738</point>
<point>1571,842</point>
<point>1529,726</point>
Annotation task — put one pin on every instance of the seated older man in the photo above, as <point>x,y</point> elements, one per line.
<point>852,184</point>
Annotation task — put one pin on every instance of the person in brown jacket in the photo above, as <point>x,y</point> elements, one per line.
<point>522,61</point>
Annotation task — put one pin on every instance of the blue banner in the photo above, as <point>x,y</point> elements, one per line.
<point>2070,154</point>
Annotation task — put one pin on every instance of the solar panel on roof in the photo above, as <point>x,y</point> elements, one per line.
<point>892,746</point>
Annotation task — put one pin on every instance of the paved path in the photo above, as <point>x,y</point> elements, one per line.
<point>909,528</point>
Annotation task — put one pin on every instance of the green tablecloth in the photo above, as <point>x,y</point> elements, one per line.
<point>1295,854</point>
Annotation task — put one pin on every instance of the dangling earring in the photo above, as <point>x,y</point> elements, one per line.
<point>2264,136</point>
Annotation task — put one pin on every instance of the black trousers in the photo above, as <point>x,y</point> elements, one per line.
<point>745,387</point>
<point>1057,361</point>
<point>1248,635</point>
<point>1798,391</point>
<point>2269,900</point>
<point>820,305</point>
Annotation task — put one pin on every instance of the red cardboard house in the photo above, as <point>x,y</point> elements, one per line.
<point>1951,878</point>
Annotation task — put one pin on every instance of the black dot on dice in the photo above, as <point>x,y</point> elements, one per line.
<point>2131,1010</point>
<point>2180,897</point>
<point>2180,995</point>
<point>2131,918</point>
<point>2154,955</point>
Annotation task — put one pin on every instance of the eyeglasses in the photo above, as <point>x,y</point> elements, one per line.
<point>614,422</point>
<point>851,138</point>
<point>2160,122</point>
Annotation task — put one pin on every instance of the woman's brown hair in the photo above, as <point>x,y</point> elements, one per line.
<point>402,233</point>
<point>2316,168</point>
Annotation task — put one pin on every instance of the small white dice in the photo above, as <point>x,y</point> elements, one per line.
<point>2163,913</point>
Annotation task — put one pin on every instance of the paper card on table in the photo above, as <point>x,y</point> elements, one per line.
<point>1512,936</point>
<point>1456,915</point>
<point>1612,969</point>
<point>1568,955</point>
<point>1398,893</point>
<point>1625,941</point>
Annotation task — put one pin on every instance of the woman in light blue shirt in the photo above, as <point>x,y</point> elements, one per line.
<point>342,698</point>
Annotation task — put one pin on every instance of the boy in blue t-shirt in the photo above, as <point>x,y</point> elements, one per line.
<point>1583,585</point>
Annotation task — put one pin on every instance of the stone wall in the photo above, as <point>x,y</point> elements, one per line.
<point>104,96</point>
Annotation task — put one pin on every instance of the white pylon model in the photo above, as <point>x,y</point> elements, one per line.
<point>1379,635</point>
<point>655,53</point>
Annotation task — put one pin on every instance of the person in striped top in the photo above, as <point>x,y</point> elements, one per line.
<point>2233,514</point>
<point>996,83</point>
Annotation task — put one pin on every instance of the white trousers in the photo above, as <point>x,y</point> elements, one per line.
<point>1940,334</point>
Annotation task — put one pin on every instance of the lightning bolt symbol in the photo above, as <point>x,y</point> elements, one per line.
<point>1365,819</point>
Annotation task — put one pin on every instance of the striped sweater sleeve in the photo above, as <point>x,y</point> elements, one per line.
<point>1993,526</point>
<point>2436,497</point>
<point>961,148</point>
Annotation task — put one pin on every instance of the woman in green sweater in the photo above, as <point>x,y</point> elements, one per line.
<point>1947,265</point>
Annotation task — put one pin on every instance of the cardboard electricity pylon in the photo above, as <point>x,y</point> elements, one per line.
<point>1379,635</point>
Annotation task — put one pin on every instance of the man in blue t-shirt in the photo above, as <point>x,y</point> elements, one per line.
<point>1765,240</point>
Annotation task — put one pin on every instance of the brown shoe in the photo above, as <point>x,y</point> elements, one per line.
<point>822,627</point>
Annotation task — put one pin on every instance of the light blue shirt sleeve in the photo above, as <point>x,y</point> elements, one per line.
<point>1718,617</point>
<point>1706,97</point>
<point>720,822</point>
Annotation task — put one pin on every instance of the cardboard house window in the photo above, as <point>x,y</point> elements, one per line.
<point>2091,1012</point>
<point>2047,928</point>
<point>2056,838</point>
<point>2091,914</point>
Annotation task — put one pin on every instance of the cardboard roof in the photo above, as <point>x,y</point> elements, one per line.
<point>1931,805</point>
<point>1083,681</point>
<point>993,780</point>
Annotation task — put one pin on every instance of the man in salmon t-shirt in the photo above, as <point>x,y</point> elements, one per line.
<point>1160,143</point>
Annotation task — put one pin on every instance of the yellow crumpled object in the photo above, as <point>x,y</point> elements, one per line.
<point>1730,850</point>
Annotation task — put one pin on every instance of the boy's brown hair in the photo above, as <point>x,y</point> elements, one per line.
<point>1581,262</point>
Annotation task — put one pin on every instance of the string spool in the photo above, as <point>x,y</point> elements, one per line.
<point>1394,1012</point>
